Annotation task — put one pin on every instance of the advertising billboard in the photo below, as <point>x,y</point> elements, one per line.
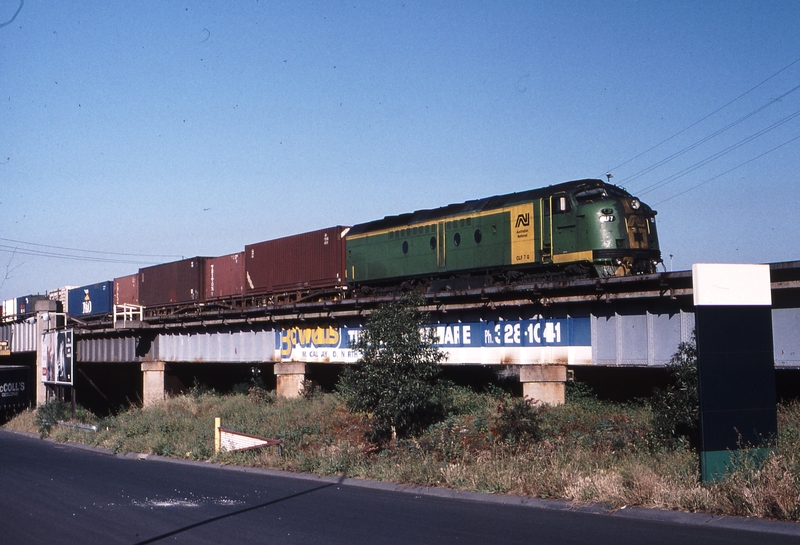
<point>58,357</point>
<point>511,342</point>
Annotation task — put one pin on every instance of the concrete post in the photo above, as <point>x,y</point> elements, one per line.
<point>290,377</point>
<point>40,386</point>
<point>544,384</point>
<point>152,382</point>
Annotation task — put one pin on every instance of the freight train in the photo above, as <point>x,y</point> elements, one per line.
<point>583,227</point>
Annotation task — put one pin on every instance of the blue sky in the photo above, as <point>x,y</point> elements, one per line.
<point>156,130</point>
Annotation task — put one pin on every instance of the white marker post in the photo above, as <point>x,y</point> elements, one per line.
<point>735,364</point>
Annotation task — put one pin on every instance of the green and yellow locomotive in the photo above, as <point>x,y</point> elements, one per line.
<point>584,226</point>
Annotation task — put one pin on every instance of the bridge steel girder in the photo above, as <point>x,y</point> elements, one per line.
<point>625,331</point>
<point>633,334</point>
<point>618,322</point>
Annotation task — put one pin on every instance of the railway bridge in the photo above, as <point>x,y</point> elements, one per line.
<point>537,331</point>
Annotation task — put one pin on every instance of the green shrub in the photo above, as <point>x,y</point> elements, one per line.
<point>579,392</point>
<point>309,389</point>
<point>676,408</point>
<point>518,421</point>
<point>464,400</point>
<point>48,415</point>
<point>396,379</point>
<point>258,394</point>
<point>199,390</point>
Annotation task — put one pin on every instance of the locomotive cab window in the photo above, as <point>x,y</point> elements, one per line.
<point>560,204</point>
<point>591,195</point>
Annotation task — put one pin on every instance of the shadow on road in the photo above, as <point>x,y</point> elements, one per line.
<point>233,514</point>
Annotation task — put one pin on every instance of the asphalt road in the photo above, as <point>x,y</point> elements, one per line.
<point>52,493</point>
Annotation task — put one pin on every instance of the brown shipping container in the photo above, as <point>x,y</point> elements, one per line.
<point>309,260</point>
<point>224,276</point>
<point>126,290</point>
<point>170,283</point>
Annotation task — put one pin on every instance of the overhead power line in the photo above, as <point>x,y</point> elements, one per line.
<point>719,154</point>
<point>727,171</point>
<point>26,251</point>
<point>64,248</point>
<point>21,247</point>
<point>648,150</point>
<point>707,138</point>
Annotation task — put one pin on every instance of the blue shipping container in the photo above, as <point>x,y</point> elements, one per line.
<point>27,304</point>
<point>92,300</point>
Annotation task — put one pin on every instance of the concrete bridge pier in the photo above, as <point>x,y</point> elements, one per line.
<point>152,382</point>
<point>545,384</point>
<point>289,378</point>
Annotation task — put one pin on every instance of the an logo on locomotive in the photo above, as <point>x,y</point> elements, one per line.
<point>523,220</point>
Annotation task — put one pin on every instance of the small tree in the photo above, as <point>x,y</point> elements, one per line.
<point>676,409</point>
<point>396,379</point>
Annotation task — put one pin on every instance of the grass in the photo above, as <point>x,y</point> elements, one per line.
<point>586,451</point>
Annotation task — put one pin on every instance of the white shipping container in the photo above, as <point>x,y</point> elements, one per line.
<point>60,295</point>
<point>9,309</point>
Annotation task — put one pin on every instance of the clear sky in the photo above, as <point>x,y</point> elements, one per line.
<point>143,132</point>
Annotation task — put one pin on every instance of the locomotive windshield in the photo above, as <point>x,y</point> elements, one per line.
<point>599,193</point>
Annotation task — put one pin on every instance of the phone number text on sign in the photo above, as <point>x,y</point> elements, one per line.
<point>544,332</point>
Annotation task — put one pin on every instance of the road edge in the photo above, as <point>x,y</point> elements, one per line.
<point>765,526</point>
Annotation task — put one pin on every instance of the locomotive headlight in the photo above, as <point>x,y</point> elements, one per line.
<point>635,204</point>
<point>606,218</point>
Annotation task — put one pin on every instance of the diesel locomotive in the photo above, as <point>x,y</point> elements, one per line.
<point>584,227</point>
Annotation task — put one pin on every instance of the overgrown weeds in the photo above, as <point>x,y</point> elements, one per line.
<point>676,408</point>
<point>587,450</point>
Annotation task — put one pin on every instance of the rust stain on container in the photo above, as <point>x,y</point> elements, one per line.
<point>176,282</point>
<point>224,276</point>
<point>307,261</point>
